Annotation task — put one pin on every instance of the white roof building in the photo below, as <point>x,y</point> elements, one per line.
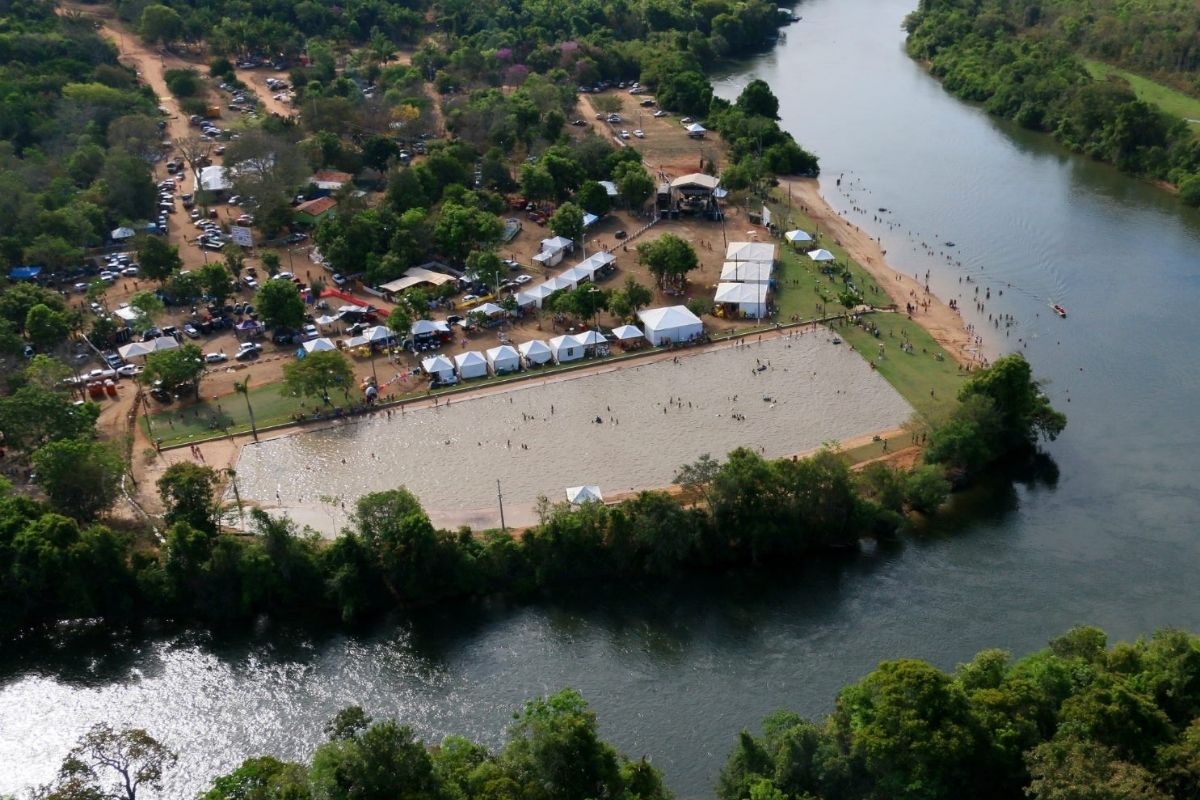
<point>750,251</point>
<point>747,271</point>
<point>670,324</point>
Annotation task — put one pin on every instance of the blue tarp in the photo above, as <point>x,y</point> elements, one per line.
<point>24,273</point>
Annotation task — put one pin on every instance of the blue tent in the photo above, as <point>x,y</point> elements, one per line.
<point>24,273</point>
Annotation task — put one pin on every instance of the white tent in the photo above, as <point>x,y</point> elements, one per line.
<point>558,282</point>
<point>750,251</point>
<point>357,341</point>
<point>797,236</point>
<point>322,345</point>
<point>525,299</point>
<point>136,350</point>
<point>121,234</point>
<point>439,367</point>
<point>428,327</point>
<point>350,308</point>
<point>535,352</point>
<point>670,324</point>
<point>747,271</point>
<point>327,320</point>
<point>750,298</point>
<point>504,358</point>
<point>696,129</point>
<point>626,333</point>
<point>590,338</point>
<point>575,275</point>
<point>214,178</point>
<point>578,495</point>
<point>821,254</point>
<point>128,313</point>
<point>490,309</point>
<point>163,343</point>
<point>379,333</point>
<point>471,364</point>
<point>565,348</point>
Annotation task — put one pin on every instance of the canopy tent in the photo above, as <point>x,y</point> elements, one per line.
<point>821,254</point>
<point>750,251</point>
<point>214,178</point>
<point>415,276</point>
<point>377,334</point>
<point>24,273</point>
<point>797,236</point>
<point>327,320</point>
<point>471,364</point>
<point>355,342</point>
<point>558,282</point>
<point>535,352</point>
<point>589,220</point>
<point>438,367</point>
<point>590,338</point>
<point>490,309</point>
<point>747,271</point>
<point>696,129</point>
<point>526,299</point>
<point>428,327</point>
<point>575,275</point>
<point>750,298</point>
<point>121,234</point>
<point>627,333</point>
<point>566,348</point>
<point>578,495</point>
<point>610,188</point>
<point>594,263</point>
<point>351,309</point>
<point>128,313</point>
<point>322,345</point>
<point>504,358</point>
<point>142,349</point>
<point>670,324</point>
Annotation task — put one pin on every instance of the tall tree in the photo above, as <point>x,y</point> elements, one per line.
<point>317,374</point>
<point>189,494</point>
<point>669,258</point>
<point>108,764</point>
<point>279,304</point>
<point>81,477</point>
<point>157,258</point>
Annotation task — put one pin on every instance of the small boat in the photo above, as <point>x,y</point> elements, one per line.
<point>1062,312</point>
<point>951,244</point>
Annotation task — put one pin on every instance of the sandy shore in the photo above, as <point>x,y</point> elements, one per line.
<point>943,323</point>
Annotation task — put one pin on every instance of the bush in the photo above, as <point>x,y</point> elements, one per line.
<point>1189,190</point>
<point>184,82</point>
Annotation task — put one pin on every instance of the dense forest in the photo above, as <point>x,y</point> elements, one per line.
<point>1024,62</point>
<point>1077,721</point>
<point>59,562</point>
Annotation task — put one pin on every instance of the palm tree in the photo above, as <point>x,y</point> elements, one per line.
<point>237,495</point>
<point>243,388</point>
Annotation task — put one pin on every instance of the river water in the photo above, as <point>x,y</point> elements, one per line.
<point>1112,541</point>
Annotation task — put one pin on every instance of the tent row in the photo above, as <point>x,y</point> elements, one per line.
<point>569,279</point>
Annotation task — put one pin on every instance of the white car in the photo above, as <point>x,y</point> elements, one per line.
<point>624,134</point>
<point>215,358</point>
<point>640,134</point>
<point>130,272</point>
<point>523,279</point>
<point>128,370</point>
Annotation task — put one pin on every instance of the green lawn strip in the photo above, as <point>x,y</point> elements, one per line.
<point>913,375</point>
<point>1172,101</point>
<point>180,423</point>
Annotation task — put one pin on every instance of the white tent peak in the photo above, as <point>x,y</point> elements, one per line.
<point>588,493</point>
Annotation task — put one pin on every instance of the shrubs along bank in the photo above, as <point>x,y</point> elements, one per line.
<point>745,512</point>
<point>1023,62</point>
<point>1077,721</point>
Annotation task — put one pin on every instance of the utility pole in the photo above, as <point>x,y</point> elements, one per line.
<point>500,500</point>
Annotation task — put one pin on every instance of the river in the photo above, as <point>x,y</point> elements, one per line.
<point>1112,541</point>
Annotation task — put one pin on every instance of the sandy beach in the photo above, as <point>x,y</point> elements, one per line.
<point>625,430</point>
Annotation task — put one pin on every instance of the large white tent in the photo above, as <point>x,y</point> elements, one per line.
<point>821,254</point>
<point>471,364</point>
<point>750,298</point>
<point>747,271</point>
<point>142,349</point>
<point>488,309</point>
<point>535,352</point>
<point>590,338</point>
<point>590,493</point>
<point>558,282</point>
<point>326,320</point>
<point>378,333</point>
<point>504,358</point>
<point>439,367</point>
<point>121,234</point>
<point>428,327</point>
<point>750,251</point>
<point>670,324</point>
<point>526,299</point>
<point>565,348</point>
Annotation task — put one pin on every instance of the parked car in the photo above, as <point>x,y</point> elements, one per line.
<point>189,330</point>
<point>339,279</point>
<point>249,282</point>
<point>215,358</point>
<point>131,271</point>
<point>523,279</point>
<point>129,370</point>
<point>639,133</point>
<point>248,350</point>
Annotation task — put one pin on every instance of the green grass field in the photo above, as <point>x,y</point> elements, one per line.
<point>1170,100</point>
<point>804,291</point>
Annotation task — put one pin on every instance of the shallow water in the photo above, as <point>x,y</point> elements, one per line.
<point>653,418</point>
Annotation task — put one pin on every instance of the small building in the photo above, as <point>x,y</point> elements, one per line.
<point>414,276</point>
<point>749,299</point>
<point>310,212</point>
<point>535,352</point>
<point>503,359</point>
<point>566,348</point>
<point>670,324</point>
<point>330,179</point>
<point>553,250</point>
<point>471,364</point>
